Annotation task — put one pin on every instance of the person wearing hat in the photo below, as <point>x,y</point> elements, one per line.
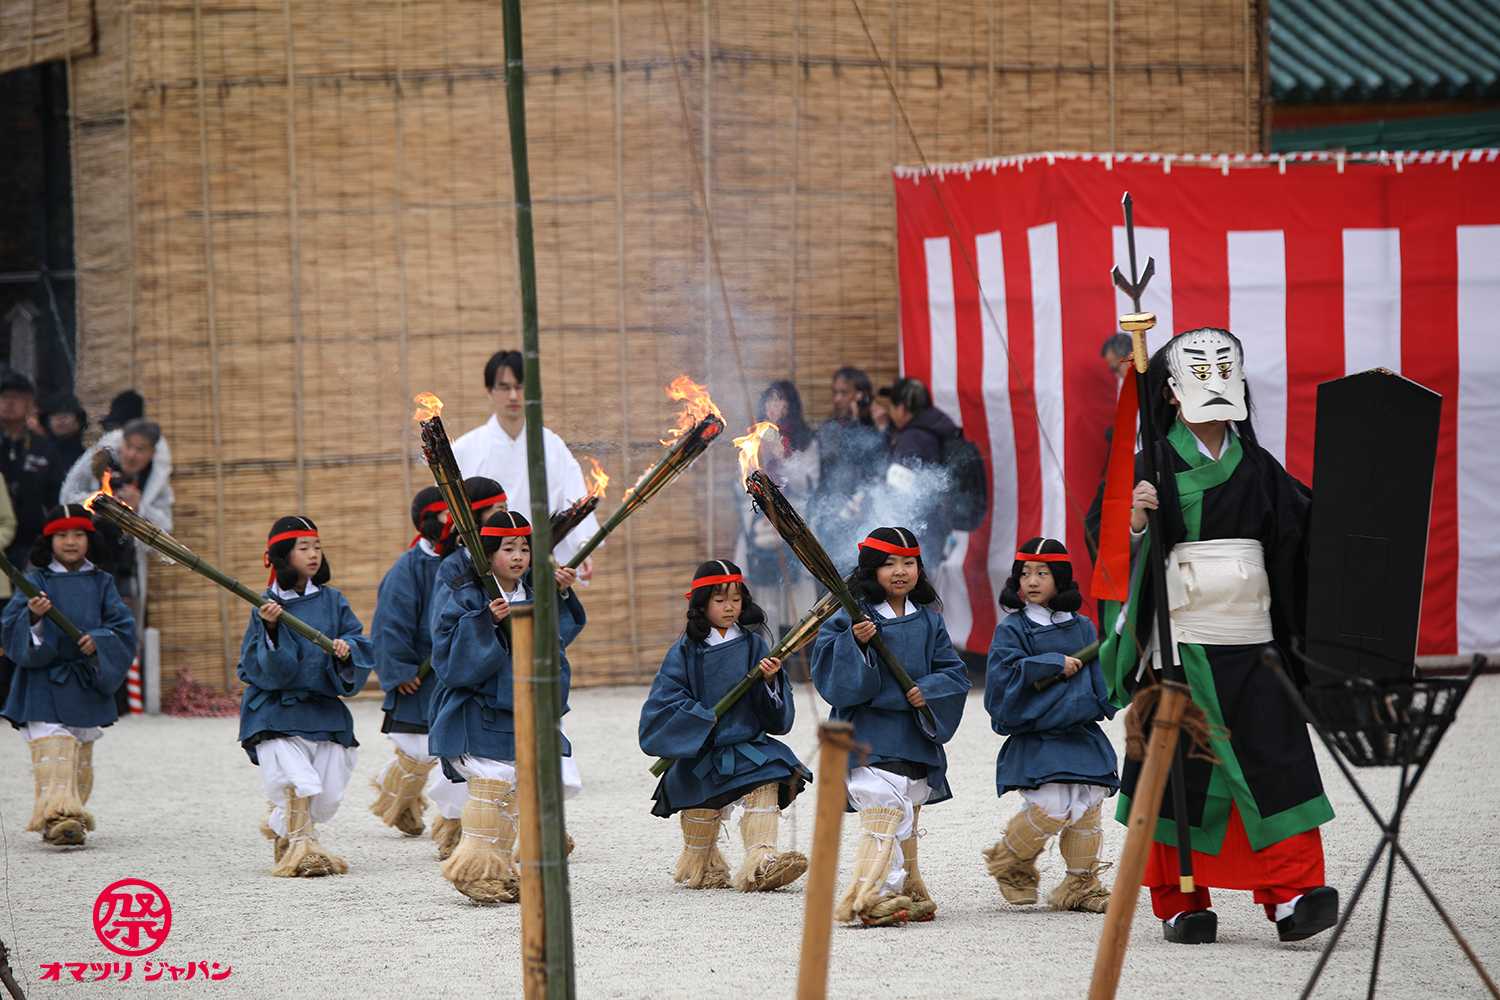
<point>65,420</point>
<point>124,408</point>
<point>29,463</point>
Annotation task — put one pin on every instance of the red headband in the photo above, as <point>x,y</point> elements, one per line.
<point>431,508</point>
<point>266,556</point>
<point>712,581</point>
<point>487,502</point>
<point>891,547</point>
<point>506,532</point>
<point>69,524</point>
<point>1043,557</point>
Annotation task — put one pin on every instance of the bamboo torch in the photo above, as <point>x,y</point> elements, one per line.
<point>789,524</point>
<point>800,635</point>
<point>438,451</point>
<point>26,587</point>
<point>106,506</point>
<point>699,423</point>
<point>571,516</point>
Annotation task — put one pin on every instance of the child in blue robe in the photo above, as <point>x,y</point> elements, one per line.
<point>1055,754</point>
<point>728,760</point>
<point>472,721</point>
<point>292,723</point>
<point>63,692</point>
<point>402,643</point>
<point>906,767</point>
<point>486,498</point>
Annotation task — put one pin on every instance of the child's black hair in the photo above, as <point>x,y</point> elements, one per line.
<point>1068,596</point>
<point>478,489</point>
<point>868,588</point>
<point>99,552</point>
<point>752,617</point>
<point>512,520</point>
<point>277,552</point>
<point>429,523</point>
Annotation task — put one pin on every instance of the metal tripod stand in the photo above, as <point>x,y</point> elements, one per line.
<point>1375,725</point>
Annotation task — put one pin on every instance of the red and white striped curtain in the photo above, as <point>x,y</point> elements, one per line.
<point>1322,266</point>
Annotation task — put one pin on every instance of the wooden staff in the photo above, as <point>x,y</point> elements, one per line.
<point>1144,806</point>
<point>836,740</point>
<point>529,823</point>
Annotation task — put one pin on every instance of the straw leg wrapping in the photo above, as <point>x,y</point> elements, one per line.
<point>1011,860</point>
<point>922,906</point>
<point>866,898</point>
<point>400,803</point>
<point>304,856</point>
<point>482,866</point>
<point>1080,844</point>
<point>701,865</point>
<point>58,813</point>
<point>764,867</point>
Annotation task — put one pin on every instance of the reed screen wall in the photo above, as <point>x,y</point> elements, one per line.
<point>294,216</point>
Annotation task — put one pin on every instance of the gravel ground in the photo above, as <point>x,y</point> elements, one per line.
<point>178,804</point>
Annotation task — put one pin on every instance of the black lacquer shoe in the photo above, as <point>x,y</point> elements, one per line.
<point>1192,927</point>
<point>1315,912</point>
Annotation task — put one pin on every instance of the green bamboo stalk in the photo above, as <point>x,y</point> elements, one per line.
<point>674,463</point>
<point>789,524</point>
<point>800,635</point>
<point>26,587</point>
<point>546,664</point>
<point>1086,654</point>
<point>133,524</point>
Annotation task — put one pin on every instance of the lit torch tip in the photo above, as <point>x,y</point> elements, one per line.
<point>430,405</point>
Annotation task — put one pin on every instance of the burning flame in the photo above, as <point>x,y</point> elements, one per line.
<point>598,479</point>
<point>762,435</point>
<point>430,405</point>
<point>103,491</point>
<point>699,406</point>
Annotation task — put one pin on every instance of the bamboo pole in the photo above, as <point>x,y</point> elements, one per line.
<point>836,739</point>
<point>529,823</point>
<point>25,586</point>
<point>545,663</point>
<point>1144,806</point>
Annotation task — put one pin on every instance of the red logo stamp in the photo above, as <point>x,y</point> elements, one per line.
<point>132,917</point>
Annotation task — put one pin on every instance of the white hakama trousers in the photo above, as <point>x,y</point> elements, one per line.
<point>83,734</point>
<point>448,796</point>
<point>1063,800</point>
<point>873,788</point>
<point>505,770</point>
<point>317,770</point>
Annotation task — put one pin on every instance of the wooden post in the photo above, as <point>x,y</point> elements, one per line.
<point>836,739</point>
<point>529,823</point>
<point>1144,808</point>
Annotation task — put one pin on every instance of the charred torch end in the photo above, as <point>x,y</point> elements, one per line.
<point>702,436</point>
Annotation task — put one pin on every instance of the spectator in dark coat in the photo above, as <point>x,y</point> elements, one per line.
<point>917,443</point>
<point>850,448</point>
<point>29,464</point>
<point>65,420</point>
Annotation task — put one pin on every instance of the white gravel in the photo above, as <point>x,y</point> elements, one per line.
<point>178,805</point>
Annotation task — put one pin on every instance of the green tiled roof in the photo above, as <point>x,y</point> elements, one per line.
<point>1384,50</point>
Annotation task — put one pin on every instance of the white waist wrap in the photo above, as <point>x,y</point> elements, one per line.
<point>1219,593</point>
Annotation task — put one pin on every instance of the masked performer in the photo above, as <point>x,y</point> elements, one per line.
<point>1235,525</point>
<point>473,723</point>
<point>292,723</point>
<point>729,760</point>
<point>906,767</point>
<point>1055,754</point>
<point>402,642</point>
<point>63,693</point>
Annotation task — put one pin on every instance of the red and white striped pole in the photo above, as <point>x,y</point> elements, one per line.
<point>133,685</point>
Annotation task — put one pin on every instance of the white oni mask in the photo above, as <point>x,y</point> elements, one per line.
<point>1208,376</point>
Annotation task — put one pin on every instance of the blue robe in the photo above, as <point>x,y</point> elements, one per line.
<point>856,683</point>
<point>1053,735</point>
<point>473,707</point>
<point>402,638</point>
<point>55,682</point>
<point>717,763</point>
<point>294,689</point>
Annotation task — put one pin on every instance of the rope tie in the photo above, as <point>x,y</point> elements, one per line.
<point>866,831</point>
<point>754,847</point>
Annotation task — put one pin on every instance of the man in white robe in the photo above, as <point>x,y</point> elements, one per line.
<point>497,449</point>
